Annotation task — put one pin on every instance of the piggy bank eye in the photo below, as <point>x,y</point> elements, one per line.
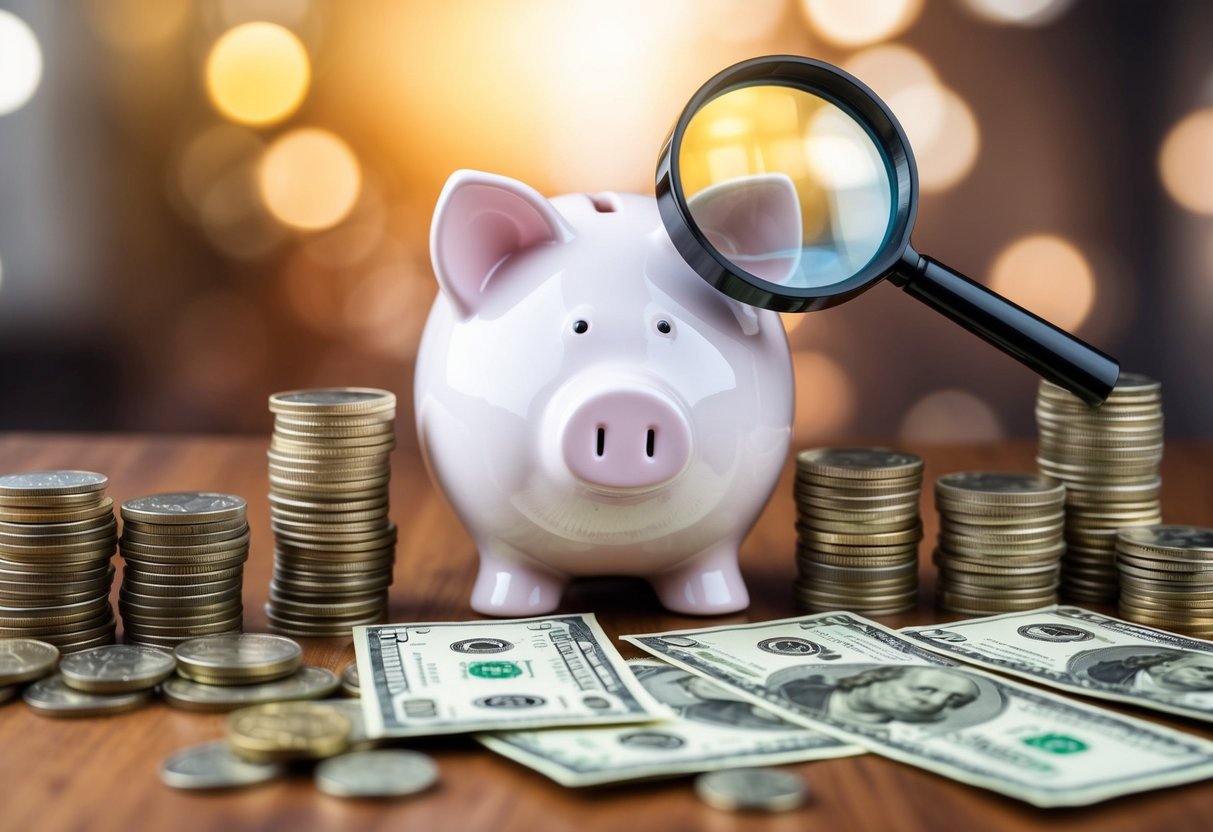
<point>663,326</point>
<point>581,326</point>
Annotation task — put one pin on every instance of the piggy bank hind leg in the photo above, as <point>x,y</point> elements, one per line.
<point>707,584</point>
<point>510,584</point>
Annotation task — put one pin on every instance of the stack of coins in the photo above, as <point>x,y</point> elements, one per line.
<point>858,529</point>
<point>1001,540</point>
<point>184,555</point>
<point>57,536</point>
<point>1166,577</point>
<point>329,465</point>
<point>1109,459</point>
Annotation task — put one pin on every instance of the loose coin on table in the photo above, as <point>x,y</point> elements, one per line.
<point>306,683</point>
<point>212,765</point>
<point>25,659</point>
<point>349,680</point>
<point>238,659</point>
<point>283,731</point>
<point>116,668</point>
<point>751,789</point>
<point>51,697</point>
<point>379,773</point>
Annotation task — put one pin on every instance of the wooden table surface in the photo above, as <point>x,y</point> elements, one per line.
<point>100,774</point>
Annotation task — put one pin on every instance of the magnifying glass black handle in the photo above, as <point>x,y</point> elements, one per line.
<point>1053,353</point>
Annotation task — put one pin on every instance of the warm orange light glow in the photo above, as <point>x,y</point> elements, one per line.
<point>859,22</point>
<point>137,24</point>
<point>309,179</point>
<point>739,21</point>
<point>1186,161</point>
<point>949,417</point>
<point>825,397</point>
<point>890,68</point>
<point>1047,275</point>
<point>257,73</point>
<point>947,149</point>
<point>285,12</point>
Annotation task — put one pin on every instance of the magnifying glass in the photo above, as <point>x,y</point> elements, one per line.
<point>788,184</point>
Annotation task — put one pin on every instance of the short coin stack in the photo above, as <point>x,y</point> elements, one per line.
<point>1000,541</point>
<point>329,465</point>
<point>57,536</point>
<point>185,555</point>
<point>858,529</point>
<point>1109,459</point>
<point>1166,577</point>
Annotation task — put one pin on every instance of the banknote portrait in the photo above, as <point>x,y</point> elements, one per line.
<point>1153,672</point>
<point>702,700</point>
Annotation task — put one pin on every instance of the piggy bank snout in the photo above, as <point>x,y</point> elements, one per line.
<point>626,439</point>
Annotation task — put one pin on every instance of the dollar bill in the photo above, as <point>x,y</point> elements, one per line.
<point>712,728</point>
<point>468,676</point>
<point>1085,652</point>
<point>861,682</point>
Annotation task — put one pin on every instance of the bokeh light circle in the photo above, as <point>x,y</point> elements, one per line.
<point>1019,12</point>
<point>1186,161</point>
<point>309,179</point>
<point>1048,276</point>
<point>859,22</point>
<point>825,396</point>
<point>950,417</point>
<point>257,73</point>
<point>20,62</point>
<point>946,147</point>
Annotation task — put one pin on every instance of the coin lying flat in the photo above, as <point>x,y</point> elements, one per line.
<point>238,659</point>
<point>25,659</point>
<point>751,789</point>
<point>52,483</point>
<point>116,668</point>
<point>282,731</point>
<point>349,680</point>
<point>190,507</point>
<point>306,683</point>
<point>212,765</point>
<point>379,773</point>
<point>51,697</point>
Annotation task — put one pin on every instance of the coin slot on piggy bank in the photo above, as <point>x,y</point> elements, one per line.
<point>641,438</point>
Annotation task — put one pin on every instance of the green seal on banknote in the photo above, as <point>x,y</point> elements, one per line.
<point>494,670</point>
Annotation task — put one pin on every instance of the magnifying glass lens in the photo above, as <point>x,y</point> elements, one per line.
<point>787,186</point>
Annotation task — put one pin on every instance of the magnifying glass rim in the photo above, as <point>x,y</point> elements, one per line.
<point>849,94</point>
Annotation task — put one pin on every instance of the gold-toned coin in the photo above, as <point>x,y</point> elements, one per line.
<point>283,731</point>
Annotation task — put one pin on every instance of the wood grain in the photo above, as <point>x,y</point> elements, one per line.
<point>102,774</point>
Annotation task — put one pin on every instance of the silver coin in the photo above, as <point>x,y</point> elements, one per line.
<point>116,668</point>
<point>52,482</point>
<point>349,680</point>
<point>306,683</point>
<point>334,396</point>
<point>184,506</point>
<point>25,659</point>
<point>751,789</point>
<point>999,482</point>
<point>251,656</point>
<point>381,773</point>
<point>51,697</point>
<point>212,765</point>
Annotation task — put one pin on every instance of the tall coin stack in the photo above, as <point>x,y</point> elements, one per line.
<point>1166,577</point>
<point>184,573</point>
<point>1109,459</point>
<point>329,465</point>
<point>57,536</point>
<point>858,529</point>
<point>1001,539</point>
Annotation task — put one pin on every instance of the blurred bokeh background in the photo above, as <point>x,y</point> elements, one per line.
<point>205,201</point>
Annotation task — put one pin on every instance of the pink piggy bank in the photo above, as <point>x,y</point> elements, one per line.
<point>588,404</point>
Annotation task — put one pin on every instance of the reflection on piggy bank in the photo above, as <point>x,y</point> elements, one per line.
<point>588,404</point>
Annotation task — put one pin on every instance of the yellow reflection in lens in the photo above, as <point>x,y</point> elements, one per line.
<point>257,73</point>
<point>1186,161</point>
<point>825,397</point>
<point>1048,276</point>
<point>309,179</point>
<point>950,417</point>
<point>859,22</point>
<point>20,62</point>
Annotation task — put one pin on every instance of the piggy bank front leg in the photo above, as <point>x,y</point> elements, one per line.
<point>707,584</point>
<point>511,584</point>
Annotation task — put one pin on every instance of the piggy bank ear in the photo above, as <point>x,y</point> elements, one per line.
<point>755,222</point>
<point>481,219</point>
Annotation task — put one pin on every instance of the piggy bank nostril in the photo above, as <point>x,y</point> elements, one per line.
<point>650,443</point>
<point>601,440</point>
